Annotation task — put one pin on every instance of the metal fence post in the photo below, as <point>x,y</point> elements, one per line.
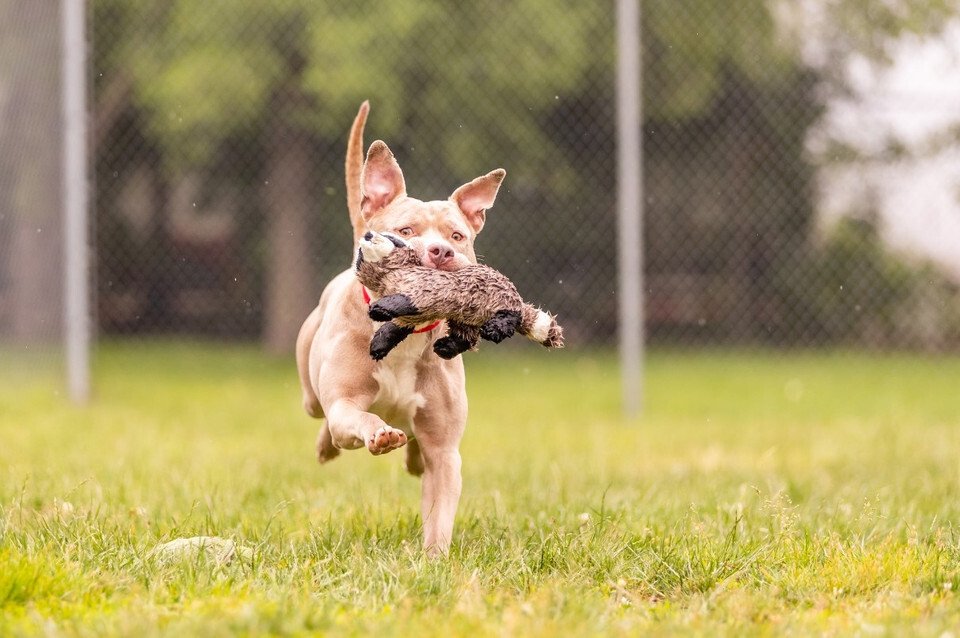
<point>75,198</point>
<point>630,204</point>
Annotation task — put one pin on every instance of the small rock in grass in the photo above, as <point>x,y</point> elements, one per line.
<point>223,550</point>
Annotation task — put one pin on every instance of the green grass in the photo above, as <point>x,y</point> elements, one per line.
<point>762,493</point>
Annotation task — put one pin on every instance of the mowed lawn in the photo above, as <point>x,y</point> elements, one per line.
<point>761,493</point>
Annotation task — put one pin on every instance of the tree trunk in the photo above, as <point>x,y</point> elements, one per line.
<point>290,292</point>
<point>32,271</point>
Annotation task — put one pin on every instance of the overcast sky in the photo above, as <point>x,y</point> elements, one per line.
<point>913,100</point>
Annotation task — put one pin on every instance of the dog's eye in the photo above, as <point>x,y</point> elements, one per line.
<point>458,237</point>
<point>406,231</point>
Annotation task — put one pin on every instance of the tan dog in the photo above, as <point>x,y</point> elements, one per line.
<point>412,391</point>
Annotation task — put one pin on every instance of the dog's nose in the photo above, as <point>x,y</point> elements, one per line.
<point>368,236</point>
<point>439,254</point>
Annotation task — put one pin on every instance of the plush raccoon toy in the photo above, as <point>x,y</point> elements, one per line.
<point>476,301</point>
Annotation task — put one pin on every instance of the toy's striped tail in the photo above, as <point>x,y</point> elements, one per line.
<point>540,326</point>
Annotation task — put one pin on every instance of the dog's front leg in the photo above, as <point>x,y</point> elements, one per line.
<point>440,497</point>
<point>439,427</point>
<point>352,426</point>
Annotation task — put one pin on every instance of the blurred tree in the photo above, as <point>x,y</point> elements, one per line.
<point>690,44</point>
<point>843,28</point>
<point>30,133</point>
<point>732,92</point>
<point>858,291</point>
<point>290,74</point>
<point>272,86</point>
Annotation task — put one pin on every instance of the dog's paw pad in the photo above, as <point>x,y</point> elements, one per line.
<point>386,439</point>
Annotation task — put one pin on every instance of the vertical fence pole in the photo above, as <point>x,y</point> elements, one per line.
<point>75,198</point>
<point>630,204</point>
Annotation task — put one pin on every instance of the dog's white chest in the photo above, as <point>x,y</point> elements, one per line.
<point>397,399</point>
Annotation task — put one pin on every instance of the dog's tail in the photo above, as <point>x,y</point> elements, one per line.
<point>354,169</point>
<point>540,326</point>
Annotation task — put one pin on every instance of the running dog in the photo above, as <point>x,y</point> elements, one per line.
<point>380,404</point>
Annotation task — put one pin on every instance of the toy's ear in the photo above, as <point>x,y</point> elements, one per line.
<point>382,180</point>
<point>396,241</point>
<point>474,198</point>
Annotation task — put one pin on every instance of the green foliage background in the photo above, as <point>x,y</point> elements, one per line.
<point>459,89</point>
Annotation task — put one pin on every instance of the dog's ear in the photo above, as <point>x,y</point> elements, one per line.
<point>382,180</point>
<point>474,198</point>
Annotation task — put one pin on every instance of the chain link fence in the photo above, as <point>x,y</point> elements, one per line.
<point>219,131</point>
<point>31,224</point>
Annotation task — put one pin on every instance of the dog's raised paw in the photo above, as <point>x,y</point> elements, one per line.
<point>386,439</point>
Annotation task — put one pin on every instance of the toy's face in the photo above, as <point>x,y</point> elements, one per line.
<point>387,250</point>
<point>375,246</point>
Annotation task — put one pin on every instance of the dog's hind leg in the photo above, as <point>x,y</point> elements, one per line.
<point>326,450</point>
<point>311,404</point>
<point>414,458</point>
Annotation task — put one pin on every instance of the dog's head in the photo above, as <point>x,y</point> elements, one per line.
<point>441,232</point>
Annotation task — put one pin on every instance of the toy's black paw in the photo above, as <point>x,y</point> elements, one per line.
<point>448,347</point>
<point>391,307</point>
<point>386,338</point>
<point>502,325</point>
<point>379,350</point>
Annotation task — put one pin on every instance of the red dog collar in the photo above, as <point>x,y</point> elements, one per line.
<point>427,328</point>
